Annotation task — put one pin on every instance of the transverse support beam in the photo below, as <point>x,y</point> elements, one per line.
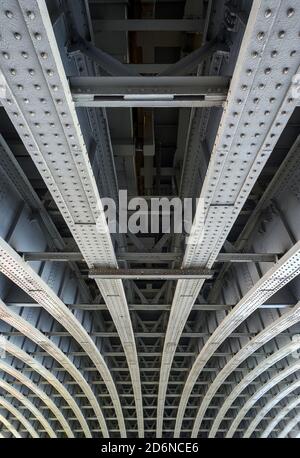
<point>155,274</point>
<point>149,91</point>
<point>148,25</point>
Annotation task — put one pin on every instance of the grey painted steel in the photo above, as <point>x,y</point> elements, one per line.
<point>232,153</point>
<point>20,417</point>
<point>279,275</point>
<point>126,25</point>
<point>41,394</point>
<point>64,173</point>
<point>10,427</point>
<point>163,274</point>
<point>36,366</point>
<point>288,428</point>
<point>260,392</point>
<point>30,406</point>
<point>50,348</point>
<point>149,91</point>
<point>269,406</point>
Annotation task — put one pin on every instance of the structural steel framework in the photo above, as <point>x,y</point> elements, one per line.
<point>112,333</point>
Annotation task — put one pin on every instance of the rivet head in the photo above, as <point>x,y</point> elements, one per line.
<point>31,71</point>
<point>268,13</point>
<point>30,15</point>
<point>44,55</point>
<point>9,14</point>
<point>37,87</point>
<point>254,54</point>
<point>5,55</point>
<point>24,54</point>
<point>290,12</point>
<point>272,99</point>
<point>293,53</point>
<point>38,36</point>
<point>17,36</point>
<point>278,86</point>
<point>20,87</point>
<point>50,72</point>
<point>261,35</point>
<point>274,53</point>
<point>285,70</point>
<point>26,101</point>
<point>281,34</point>
<point>249,71</point>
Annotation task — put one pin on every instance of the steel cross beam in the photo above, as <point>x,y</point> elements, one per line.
<point>65,168</point>
<point>247,135</point>
<point>12,265</point>
<point>269,406</point>
<point>37,367</point>
<point>275,278</point>
<point>259,393</point>
<point>150,25</point>
<point>245,352</point>
<point>149,91</point>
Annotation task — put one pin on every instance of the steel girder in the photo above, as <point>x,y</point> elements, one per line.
<point>66,169</point>
<point>247,135</point>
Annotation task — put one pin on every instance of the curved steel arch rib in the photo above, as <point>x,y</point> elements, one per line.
<point>40,393</point>
<point>287,268</point>
<point>222,204</point>
<point>19,416</point>
<point>10,428</point>
<point>14,267</point>
<point>259,393</point>
<point>281,324</point>
<point>280,416</point>
<point>294,422</point>
<point>30,406</point>
<point>40,339</point>
<point>64,174</point>
<point>17,352</point>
